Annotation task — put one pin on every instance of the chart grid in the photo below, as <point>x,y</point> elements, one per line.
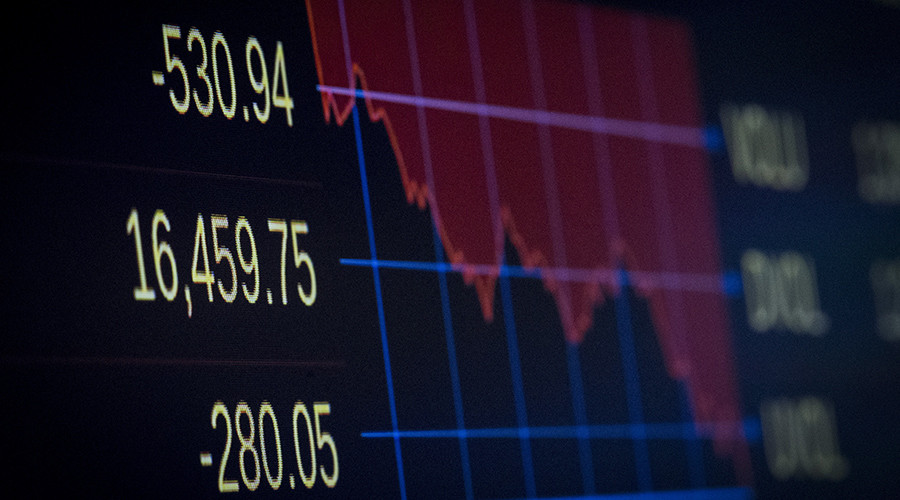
<point>638,430</point>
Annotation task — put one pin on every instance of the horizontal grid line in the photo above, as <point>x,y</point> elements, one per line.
<point>748,429</point>
<point>728,282</point>
<point>738,493</point>
<point>696,137</point>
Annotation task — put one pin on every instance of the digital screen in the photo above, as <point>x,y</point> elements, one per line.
<point>458,249</point>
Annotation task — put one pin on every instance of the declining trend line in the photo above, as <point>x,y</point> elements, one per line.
<point>484,277</point>
<point>669,147</point>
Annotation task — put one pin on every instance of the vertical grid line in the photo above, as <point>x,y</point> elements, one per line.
<point>515,368</point>
<point>579,407</point>
<point>512,344</point>
<point>545,147</point>
<point>484,128</point>
<point>376,274</point>
<point>602,158</point>
<point>632,384</point>
<point>591,68</point>
<point>345,39</point>
<point>459,412</point>
<point>647,98</point>
<point>576,386</point>
<point>454,372</point>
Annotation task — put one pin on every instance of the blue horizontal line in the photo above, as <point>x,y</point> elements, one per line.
<point>728,283</point>
<point>444,267</point>
<point>679,430</point>
<point>739,493</point>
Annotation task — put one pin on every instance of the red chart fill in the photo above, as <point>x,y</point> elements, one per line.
<point>573,131</point>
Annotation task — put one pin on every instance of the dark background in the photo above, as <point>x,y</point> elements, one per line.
<point>111,397</point>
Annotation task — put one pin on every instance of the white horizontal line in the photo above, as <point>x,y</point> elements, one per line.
<point>657,132</point>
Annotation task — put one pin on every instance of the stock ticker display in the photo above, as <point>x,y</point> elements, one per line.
<point>461,249</point>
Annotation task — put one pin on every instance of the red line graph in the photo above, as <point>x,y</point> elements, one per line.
<point>565,198</point>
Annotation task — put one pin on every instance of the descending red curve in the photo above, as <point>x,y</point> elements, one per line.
<point>642,202</point>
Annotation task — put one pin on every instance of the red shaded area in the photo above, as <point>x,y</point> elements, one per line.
<point>642,202</point>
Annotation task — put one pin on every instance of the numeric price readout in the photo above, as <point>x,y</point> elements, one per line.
<point>253,457</point>
<point>245,256</point>
<point>215,57</point>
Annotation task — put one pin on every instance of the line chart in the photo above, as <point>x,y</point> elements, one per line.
<point>597,175</point>
<point>452,249</point>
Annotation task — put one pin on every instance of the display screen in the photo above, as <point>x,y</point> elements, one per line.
<point>459,249</point>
